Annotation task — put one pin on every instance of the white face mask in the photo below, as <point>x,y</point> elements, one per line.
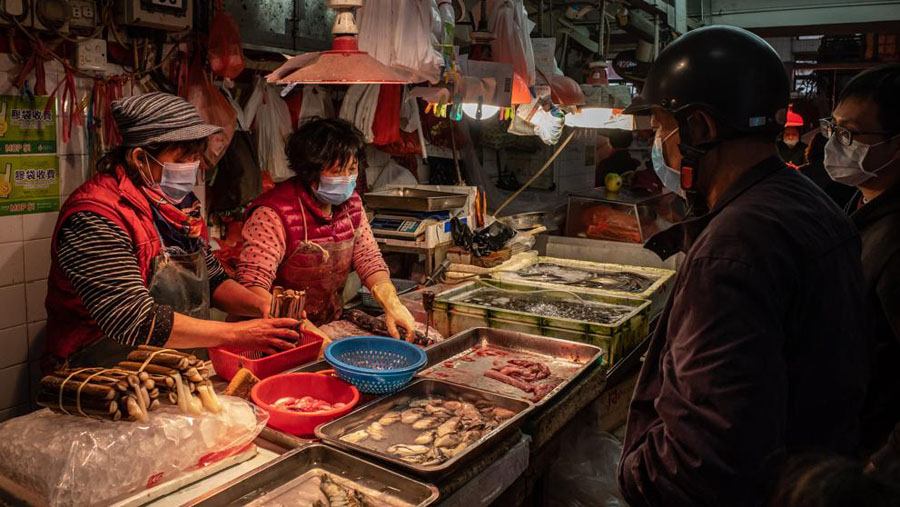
<point>791,142</point>
<point>847,164</point>
<point>671,179</point>
<point>177,179</point>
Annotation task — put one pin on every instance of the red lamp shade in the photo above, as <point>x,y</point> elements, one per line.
<point>565,91</point>
<point>344,64</point>
<point>520,92</point>
<point>793,119</point>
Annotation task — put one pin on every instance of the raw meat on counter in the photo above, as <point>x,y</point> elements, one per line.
<point>305,404</point>
<point>523,375</point>
<point>359,323</point>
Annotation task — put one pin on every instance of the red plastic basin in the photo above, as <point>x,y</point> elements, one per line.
<point>324,387</point>
<point>227,361</point>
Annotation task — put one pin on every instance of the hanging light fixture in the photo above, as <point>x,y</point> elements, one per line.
<point>479,111</point>
<point>344,64</point>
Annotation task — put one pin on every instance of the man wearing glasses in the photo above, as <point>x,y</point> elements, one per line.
<point>863,151</point>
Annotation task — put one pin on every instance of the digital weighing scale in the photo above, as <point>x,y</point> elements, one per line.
<point>404,224</point>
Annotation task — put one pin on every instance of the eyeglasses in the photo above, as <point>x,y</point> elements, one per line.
<point>829,129</point>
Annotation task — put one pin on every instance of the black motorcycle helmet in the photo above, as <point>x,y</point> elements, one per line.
<point>731,74</point>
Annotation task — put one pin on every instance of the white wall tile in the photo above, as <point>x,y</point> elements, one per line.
<point>35,293</point>
<point>37,339</point>
<point>12,268</point>
<point>39,225</point>
<point>16,411</point>
<point>15,386</point>
<point>37,259</point>
<point>12,305</point>
<point>73,172</point>
<point>14,343</point>
<point>10,229</point>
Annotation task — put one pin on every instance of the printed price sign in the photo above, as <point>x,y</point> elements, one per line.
<point>27,126</point>
<point>29,184</point>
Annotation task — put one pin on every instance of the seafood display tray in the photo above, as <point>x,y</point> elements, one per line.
<point>654,285</point>
<point>487,304</point>
<point>331,433</point>
<point>566,359</point>
<point>293,470</point>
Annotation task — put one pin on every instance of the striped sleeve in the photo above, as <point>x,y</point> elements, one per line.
<point>214,269</point>
<point>98,258</point>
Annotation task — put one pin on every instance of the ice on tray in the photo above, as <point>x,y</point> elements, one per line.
<point>618,280</point>
<point>539,304</point>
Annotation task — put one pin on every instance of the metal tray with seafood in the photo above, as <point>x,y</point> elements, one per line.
<point>615,324</point>
<point>428,427</point>
<point>322,476</point>
<point>510,363</point>
<point>639,282</point>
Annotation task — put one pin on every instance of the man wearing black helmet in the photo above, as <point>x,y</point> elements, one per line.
<point>758,352</point>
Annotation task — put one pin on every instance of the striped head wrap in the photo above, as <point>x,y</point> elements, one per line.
<point>159,118</point>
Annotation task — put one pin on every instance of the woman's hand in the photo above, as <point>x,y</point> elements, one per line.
<point>397,315</point>
<point>264,335</point>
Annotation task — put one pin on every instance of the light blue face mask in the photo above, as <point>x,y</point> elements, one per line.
<point>336,189</point>
<point>671,179</point>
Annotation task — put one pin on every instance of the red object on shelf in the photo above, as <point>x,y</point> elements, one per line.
<point>318,385</point>
<point>386,126</point>
<point>227,361</point>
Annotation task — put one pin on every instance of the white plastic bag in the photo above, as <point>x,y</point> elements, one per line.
<point>316,103</point>
<point>68,460</point>
<point>273,125</point>
<point>382,171</point>
<point>360,103</point>
<point>512,44</point>
<point>399,33</point>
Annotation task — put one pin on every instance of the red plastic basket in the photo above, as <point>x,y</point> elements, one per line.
<point>227,361</point>
<point>318,385</point>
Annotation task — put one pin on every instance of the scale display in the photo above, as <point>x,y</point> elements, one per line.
<point>398,227</point>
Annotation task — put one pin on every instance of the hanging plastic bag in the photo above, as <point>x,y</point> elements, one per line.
<point>359,106</point>
<point>273,125</point>
<point>226,58</point>
<point>512,43</point>
<point>316,103</point>
<point>386,124</point>
<point>237,180</point>
<point>414,41</point>
<point>213,108</point>
<point>399,33</point>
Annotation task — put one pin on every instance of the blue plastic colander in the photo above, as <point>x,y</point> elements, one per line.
<point>375,365</point>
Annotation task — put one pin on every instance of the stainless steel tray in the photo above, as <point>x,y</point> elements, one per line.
<point>566,360</point>
<point>289,472</point>
<point>414,199</point>
<point>332,431</point>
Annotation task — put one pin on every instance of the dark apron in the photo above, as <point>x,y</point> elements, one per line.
<point>320,269</point>
<point>179,280</point>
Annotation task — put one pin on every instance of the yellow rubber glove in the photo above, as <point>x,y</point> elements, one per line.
<point>395,314</point>
<point>306,325</point>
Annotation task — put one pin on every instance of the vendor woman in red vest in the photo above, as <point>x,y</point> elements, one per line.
<point>130,262</point>
<point>309,231</point>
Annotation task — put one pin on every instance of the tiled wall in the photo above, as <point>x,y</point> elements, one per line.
<point>24,265</point>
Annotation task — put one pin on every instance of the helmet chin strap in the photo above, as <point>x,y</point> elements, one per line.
<point>691,155</point>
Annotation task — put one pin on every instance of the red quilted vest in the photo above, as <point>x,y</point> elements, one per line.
<point>69,325</point>
<point>283,200</point>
